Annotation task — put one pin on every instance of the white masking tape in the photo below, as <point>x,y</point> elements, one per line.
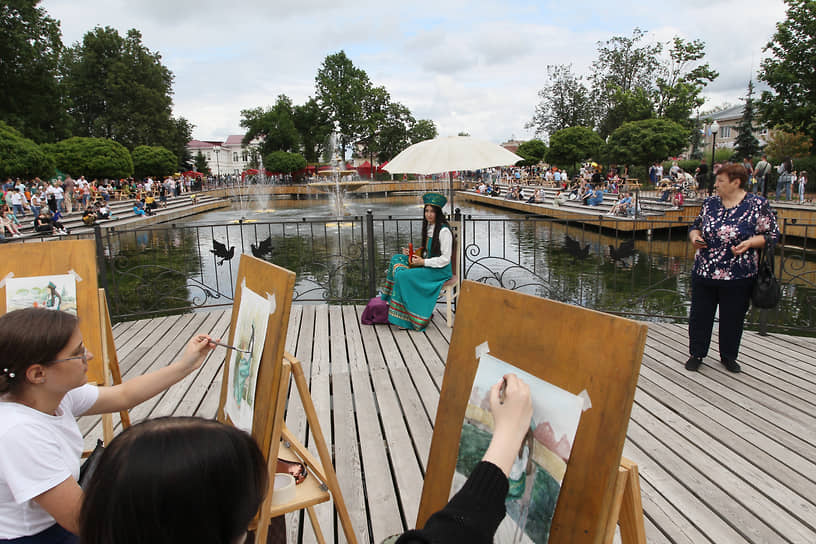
<point>76,276</point>
<point>482,349</point>
<point>4,280</point>
<point>587,402</point>
<point>273,305</point>
<point>284,488</point>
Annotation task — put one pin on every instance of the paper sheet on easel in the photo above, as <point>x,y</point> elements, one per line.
<point>250,334</point>
<point>55,292</point>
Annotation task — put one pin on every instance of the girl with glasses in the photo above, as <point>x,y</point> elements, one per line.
<point>43,388</point>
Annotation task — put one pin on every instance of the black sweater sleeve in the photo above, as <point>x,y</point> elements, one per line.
<point>472,515</point>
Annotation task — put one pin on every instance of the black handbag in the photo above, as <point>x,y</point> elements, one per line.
<point>766,293</point>
<point>89,466</point>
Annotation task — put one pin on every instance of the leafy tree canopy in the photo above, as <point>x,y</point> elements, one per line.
<point>314,128</point>
<point>284,162</point>
<point>788,145</point>
<point>119,89</point>
<point>533,152</point>
<point>20,157</point>
<point>275,125</point>
<point>340,90</point>
<point>30,94</point>
<point>424,129</point>
<point>153,161</point>
<point>644,142</point>
<point>565,102</point>
<point>92,157</point>
<point>631,79</point>
<point>571,145</point>
<point>200,163</point>
<point>788,70</point>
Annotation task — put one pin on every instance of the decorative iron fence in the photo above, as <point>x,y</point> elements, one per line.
<point>170,269</point>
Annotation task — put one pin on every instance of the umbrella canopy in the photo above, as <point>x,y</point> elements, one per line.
<point>450,154</point>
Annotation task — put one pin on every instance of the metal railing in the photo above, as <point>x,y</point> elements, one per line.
<point>646,274</point>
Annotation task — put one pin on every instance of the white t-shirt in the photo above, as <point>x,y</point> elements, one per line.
<point>445,246</point>
<point>37,452</point>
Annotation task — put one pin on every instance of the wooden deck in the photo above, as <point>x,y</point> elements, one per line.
<point>723,458</point>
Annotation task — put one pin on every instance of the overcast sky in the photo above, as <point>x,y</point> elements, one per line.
<point>469,66</point>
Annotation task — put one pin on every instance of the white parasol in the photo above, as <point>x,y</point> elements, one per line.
<point>450,154</point>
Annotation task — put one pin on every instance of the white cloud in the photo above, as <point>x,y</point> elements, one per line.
<point>472,66</point>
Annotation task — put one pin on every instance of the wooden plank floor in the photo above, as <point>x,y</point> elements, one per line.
<point>723,458</point>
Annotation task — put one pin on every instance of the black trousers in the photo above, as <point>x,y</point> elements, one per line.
<point>733,298</point>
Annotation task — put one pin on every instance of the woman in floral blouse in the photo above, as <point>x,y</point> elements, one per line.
<point>732,226</point>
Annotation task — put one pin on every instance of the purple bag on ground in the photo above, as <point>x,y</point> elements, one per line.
<point>376,311</point>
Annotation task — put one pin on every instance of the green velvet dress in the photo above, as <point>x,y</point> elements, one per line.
<point>411,293</point>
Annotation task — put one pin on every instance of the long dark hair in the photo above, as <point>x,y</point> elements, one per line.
<point>439,221</point>
<point>171,480</point>
<point>33,336</point>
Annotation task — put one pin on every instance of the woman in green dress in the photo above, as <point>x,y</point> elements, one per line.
<point>411,289</point>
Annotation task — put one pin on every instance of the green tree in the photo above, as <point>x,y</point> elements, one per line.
<point>788,70</point>
<point>153,161</point>
<point>284,162</point>
<point>31,97</point>
<point>313,126</point>
<point>565,102</point>
<point>340,90</point>
<point>373,110</point>
<point>424,129</point>
<point>624,106</point>
<point>784,145</point>
<point>175,137</point>
<point>275,125</point>
<point>573,144</point>
<point>644,142</point>
<point>624,64</point>
<point>680,81</point>
<point>634,80</point>
<point>91,157</point>
<point>200,163</point>
<point>746,144</point>
<point>20,157</point>
<point>533,152</point>
<point>118,88</point>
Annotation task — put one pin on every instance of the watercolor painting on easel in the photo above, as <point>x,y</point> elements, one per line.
<point>536,476</point>
<point>56,292</point>
<point>244,363</point>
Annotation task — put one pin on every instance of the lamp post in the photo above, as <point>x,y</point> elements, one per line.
<point>217,150</point>
<point>714,129</point>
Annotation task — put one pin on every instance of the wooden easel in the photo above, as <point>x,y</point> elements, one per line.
<point>110,367</point>
<point>311,491</point>
<point>574,349</point>
<point>268,428</point>
<point>79,257</point>
<point>627,507</point>
<point>63,257</point>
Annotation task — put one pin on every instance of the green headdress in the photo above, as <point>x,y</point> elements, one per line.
<point>435,199</point>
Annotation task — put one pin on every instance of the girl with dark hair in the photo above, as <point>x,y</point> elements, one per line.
<point>43,388</point>
<point>172,480</point>
<point>413,283</point>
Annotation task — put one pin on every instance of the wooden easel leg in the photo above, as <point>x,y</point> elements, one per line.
<point>449,299</point>
<point>315,525</point>
<point>264,514</point>
<point>323,451</point>
<point>617,500</point>
<point>633,530</point>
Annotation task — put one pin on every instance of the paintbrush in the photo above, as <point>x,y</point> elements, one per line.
<point>229,347</point>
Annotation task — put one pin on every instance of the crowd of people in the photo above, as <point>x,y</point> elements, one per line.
<point>47,202</point>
